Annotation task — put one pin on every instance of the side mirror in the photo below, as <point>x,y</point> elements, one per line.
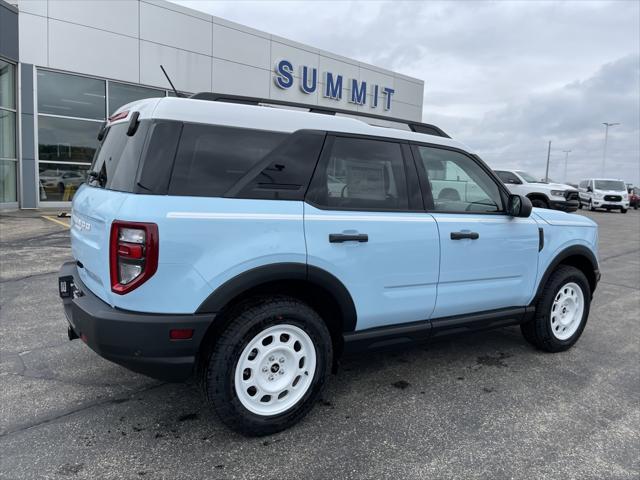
<point>589,189</point>
<point>519,206</point>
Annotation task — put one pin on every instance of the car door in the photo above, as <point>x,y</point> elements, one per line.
<point>582,191</point>
<point>365,224</point>
<point>488,259</point>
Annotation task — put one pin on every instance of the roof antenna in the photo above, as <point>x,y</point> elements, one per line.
<point>170,82</point>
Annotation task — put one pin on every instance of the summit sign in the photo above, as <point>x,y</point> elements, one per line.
<point>333,85</point>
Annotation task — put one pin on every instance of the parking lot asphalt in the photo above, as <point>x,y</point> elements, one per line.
<point>481,406</point>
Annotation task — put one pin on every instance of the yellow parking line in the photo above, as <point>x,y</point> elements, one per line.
<point>55,220</point>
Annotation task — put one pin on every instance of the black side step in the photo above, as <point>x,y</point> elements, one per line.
<point>421,331</point>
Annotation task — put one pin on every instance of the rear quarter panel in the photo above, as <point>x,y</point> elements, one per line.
<point>206,241</point>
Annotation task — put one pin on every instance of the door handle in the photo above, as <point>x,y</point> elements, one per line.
<point>343,237</point>
<point>462,235</point>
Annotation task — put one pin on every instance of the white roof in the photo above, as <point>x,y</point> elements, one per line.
<point>267,118</point>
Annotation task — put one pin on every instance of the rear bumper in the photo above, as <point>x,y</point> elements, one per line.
<point>137,341</point>
<point>564,205</point>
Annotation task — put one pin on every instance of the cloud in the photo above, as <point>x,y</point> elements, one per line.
<point>571,117</point>
<point>504,77</point>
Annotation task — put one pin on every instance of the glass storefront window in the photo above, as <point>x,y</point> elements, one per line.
<point>8,162</point>
<point>66,146</point>
<point>7,134</point>
<point>59,181</point>
<point>121,94</point>
<point>67,140</point>
<point>71,95</point>
<point>8,181</point>
<point>7,85</point>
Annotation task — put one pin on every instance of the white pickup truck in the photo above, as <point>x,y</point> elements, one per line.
<point>542,194</point>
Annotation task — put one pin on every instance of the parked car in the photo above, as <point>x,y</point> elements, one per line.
<point>634,197</point>
<point>609,194</point>
<point>58,180</point>
<point>252,246</point>
<point>542,194</point>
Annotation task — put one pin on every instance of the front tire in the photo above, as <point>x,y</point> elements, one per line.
<point>561,311</point>
<point>269,366</point>
<point>623,210</point>
<point>591,207</point>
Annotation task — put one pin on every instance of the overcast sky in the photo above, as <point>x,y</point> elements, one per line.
<point>502,77</point>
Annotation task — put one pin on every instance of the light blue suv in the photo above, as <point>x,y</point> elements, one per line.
<point>253,246</point>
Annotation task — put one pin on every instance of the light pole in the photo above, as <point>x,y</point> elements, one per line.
<point>546,173</point>
<point>606,137</point>
<point>566,160</point>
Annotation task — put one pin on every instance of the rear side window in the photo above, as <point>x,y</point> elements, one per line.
<point>507,177</point>
<point>116,161</point>
<point>285,173</point>
<point>361,174</point>
<point>211,159</point>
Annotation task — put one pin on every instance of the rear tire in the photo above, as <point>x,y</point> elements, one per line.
<point>269,366</point>
<point>561,311</point>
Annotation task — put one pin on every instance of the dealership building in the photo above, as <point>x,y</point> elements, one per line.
<point>66,65</point>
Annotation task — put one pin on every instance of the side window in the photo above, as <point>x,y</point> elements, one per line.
<point>361,174</point>
<point>458,183</point>
<point>508,177</point>
<point>210,159</point>
<point>285,173</point>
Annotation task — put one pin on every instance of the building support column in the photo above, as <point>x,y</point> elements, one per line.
<point>28,160</point>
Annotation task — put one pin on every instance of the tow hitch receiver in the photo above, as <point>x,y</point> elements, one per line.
<point>65,286</point>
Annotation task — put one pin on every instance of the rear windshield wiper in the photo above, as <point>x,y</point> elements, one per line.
<point>99,177</point>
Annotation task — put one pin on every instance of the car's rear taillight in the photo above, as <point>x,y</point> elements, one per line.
<point>133,254</point>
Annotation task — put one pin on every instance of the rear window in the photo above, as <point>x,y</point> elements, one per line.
<point>116,161</point>
<point>211,159</point>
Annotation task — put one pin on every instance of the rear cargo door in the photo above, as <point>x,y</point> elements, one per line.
<point>93,211</point>
<point>96,204</point>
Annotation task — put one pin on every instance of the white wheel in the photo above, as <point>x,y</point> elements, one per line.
<point>275,370</point>
<point>566,311</point>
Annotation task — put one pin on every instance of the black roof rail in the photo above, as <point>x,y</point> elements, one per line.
<point>417,127</point>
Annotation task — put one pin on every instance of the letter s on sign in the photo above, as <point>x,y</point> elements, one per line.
<point>284,74</point>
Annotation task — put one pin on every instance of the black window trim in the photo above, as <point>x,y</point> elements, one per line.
<point>426,190</point>
<point>324,158</point>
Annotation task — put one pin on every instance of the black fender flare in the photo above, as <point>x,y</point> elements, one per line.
<point>257,276</point>
<point>572,251</point>
<point>540,195</point>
